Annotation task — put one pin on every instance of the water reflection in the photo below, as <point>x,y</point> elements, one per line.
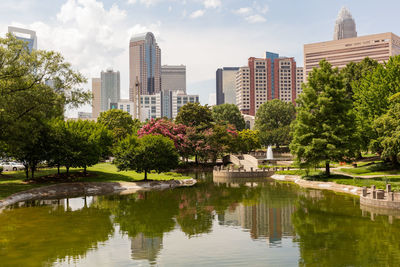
<point>216,222</point>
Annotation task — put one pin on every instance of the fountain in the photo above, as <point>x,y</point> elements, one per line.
<point>270,154</point>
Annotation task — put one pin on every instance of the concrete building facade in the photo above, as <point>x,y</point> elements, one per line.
<point>299,80</point>
<point>226,85</point>
<point>110,89</point>
<point>26,35</point>
<point>164,104</point>
<point>96,101</point>
<point>173,78</point>
<point>264,79</point>
<point>339,53</point>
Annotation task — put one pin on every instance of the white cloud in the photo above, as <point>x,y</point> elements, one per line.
<point>144,2</point>
<point>255,18</point>
<point>243,11</point>
<point>197,14</point>
<point>212,3</point>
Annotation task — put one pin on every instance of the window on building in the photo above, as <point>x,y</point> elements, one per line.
<point>128,108</point>
<point>121,107</point>
<point>153,109</point>
<point>153,100</point>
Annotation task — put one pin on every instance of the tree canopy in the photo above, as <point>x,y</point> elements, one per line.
<point>195,115</point>
<point>35,87</point>
<point>119,122</point>
<point>150,152</point>
<point>228,114</point>
<point>324,129</point>
<point>273,120</point>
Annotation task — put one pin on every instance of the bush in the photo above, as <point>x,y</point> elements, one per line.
<point>1,169</point>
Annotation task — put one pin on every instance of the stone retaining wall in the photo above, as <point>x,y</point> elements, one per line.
<point>221,172</point>
<point>380,198</point>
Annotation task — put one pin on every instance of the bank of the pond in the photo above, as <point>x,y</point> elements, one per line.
<point>70,190</point>
<point>349,189</point>
<point>14,182</point>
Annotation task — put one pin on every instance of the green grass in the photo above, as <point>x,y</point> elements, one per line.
<point>378,168</point>
<point>13,182</point>
<point>300,172</point>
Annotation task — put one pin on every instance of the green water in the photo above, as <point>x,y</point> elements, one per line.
<point>249,223</point>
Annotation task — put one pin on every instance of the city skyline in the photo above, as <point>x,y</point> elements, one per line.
<point>109,24</point>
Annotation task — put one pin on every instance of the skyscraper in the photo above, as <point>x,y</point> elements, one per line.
<point>173,78</point>
<point>226,85</point>
<point>25,35</point>
<point>345,26</point>
<point>144,65</point>
<point>264,79</point>
<point>96,101</point>
<point>110,89</point>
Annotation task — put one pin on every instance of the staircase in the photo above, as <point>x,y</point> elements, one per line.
<point>246,161</point>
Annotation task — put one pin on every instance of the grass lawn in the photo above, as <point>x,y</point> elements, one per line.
<point>13,182</point>
<point>373,168</point>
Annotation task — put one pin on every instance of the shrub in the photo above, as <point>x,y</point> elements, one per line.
<point>1,169</point>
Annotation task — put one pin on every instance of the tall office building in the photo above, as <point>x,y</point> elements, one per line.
<point>173,78</point>
<point>345,26</point>
<point>226,85</point>
<point>299,80</point>
<point>144,65</point>
<point>25,35</point>
<point>96,101</point>
<point>264,79</point>
<point>339,53</point>
<point>110,89</point>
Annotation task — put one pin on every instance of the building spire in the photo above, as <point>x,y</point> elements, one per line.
<point>345,26</point>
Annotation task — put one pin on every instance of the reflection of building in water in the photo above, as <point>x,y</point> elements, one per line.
<point>145,248</point>
<point>263,221</point>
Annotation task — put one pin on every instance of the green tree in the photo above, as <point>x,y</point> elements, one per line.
<point>195,115</point>
<point>388,131</point>
<point>228,114</point>
<point>324,129</point>
<point>273,120</point>
<point>77,143</point>
<point>354,73</point>
<point>119,122</point>
<point>247,140</point>
<point>28,102</point>
<point>150,152</point>
<point>371,97</point>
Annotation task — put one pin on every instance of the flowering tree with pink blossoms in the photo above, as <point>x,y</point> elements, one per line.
<point>175,132</point>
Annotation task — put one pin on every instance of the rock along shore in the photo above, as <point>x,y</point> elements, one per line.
<point>69,190</point>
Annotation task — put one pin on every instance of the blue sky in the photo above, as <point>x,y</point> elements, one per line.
<point>201,34</point>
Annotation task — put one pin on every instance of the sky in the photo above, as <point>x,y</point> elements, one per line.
<point>204,35</point>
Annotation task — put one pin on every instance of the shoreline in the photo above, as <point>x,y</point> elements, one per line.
<point>340,188</point>
<point>77,189</point>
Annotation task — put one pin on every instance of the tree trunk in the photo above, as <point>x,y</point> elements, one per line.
<point>145,175</point>
<point>84,170</point>
<point>58,169</point>
<point>33,172</point>
<point>197,160</point>
<point>67,170</point>
<point>327,169</point>
<point>27,172</point>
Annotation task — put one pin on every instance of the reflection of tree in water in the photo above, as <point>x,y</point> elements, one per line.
<point>332,232</point>
<point>40,235</point>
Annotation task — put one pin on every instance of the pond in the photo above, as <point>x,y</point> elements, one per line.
<point>215,223</point>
